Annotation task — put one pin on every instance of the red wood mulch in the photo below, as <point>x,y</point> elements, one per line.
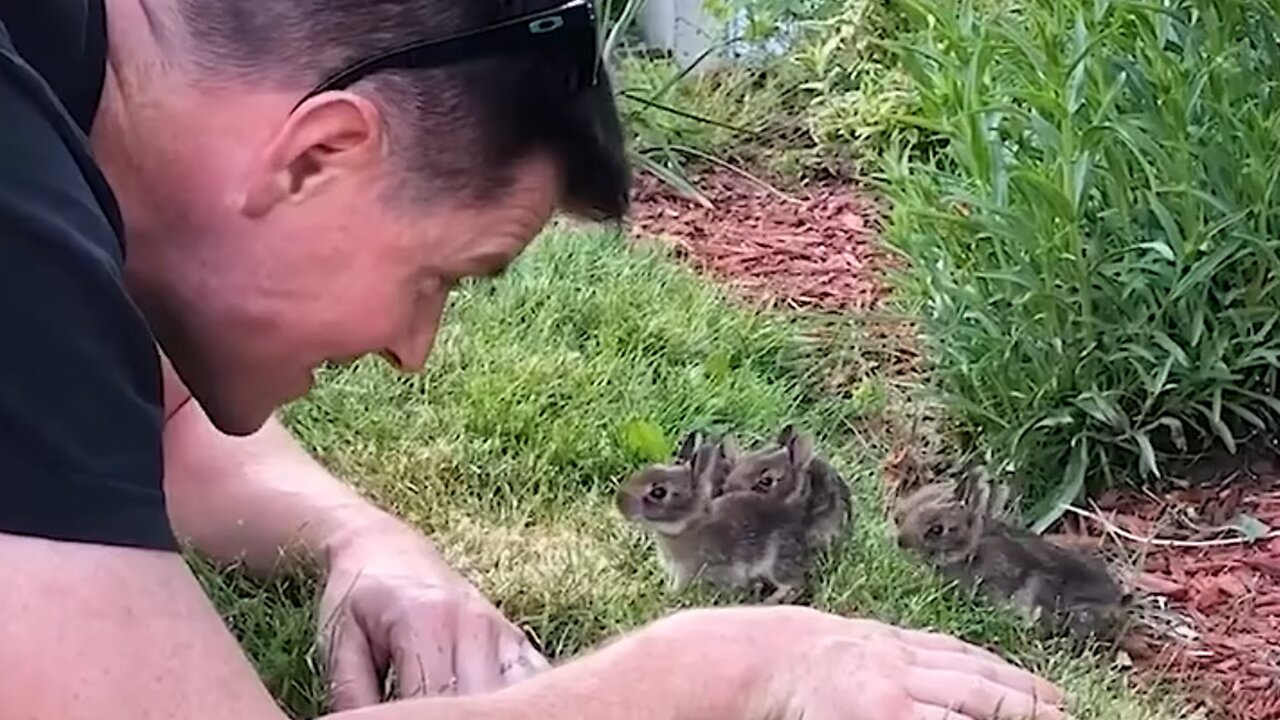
<point>815,250</point>
<point>1211,613</point>
<point>1211,618</point>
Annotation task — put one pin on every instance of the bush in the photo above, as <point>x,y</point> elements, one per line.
<point>826,104</point>
<point>1095,243</point>
<point>853,88</point>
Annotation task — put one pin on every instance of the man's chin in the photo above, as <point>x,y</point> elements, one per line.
<point>250,413</point>
<point>236,421</point>
<point>240,402</point>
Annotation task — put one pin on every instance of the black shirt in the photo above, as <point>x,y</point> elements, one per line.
<point>81,411</point>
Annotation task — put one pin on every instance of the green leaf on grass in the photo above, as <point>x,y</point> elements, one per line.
<point>645,439</point>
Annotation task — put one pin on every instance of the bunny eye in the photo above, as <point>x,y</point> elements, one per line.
<point>933,531</point>
<point>657,492</point>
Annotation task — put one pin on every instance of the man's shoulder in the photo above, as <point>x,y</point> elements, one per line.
<point>65,42</point>
<point>82,404</point>
<point>40,129</point>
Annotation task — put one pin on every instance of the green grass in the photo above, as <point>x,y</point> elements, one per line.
<point>507,448</point>
<point>1094,249</point>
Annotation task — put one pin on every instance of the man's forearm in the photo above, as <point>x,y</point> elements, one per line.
<point>251,497</point>
<point>662,672</point>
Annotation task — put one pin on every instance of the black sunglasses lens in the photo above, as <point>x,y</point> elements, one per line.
<point>568,29</point>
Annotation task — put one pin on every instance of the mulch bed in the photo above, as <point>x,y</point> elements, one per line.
<point>814,249</point>
<point>1211,621</point>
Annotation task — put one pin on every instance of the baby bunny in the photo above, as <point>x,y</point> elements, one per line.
<point>730,541</point>
<point>958,530</point>
<point>793,473</point>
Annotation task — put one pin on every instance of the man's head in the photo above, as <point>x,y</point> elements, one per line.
<point>272,228</point>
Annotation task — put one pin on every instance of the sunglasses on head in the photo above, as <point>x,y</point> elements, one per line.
<point>569,28</point>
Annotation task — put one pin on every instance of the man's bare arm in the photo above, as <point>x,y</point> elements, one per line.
<point>247,498</point>
<point>103,633</point>
<point>90,632</point>
<point>389,600</point>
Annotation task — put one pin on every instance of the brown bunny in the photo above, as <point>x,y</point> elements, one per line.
<point>729,541</point>
<point>958,530</point>
<point>794,474</point>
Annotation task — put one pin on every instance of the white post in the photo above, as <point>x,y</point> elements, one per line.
<point>686,30</point>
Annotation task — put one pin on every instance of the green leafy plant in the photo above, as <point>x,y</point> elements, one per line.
<point>670,124</point>
<point>643,439</point>
<point>853,85</point>
<point>1095,247</point>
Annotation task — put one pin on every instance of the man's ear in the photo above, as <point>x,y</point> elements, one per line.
<point>328,136</point>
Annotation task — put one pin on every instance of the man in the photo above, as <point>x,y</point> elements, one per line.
<point>198,174</point>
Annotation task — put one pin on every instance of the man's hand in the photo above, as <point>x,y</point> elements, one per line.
<point>821,666</point>
<point>391,603</point>
<point>767,663</point>
<point>908,675</point>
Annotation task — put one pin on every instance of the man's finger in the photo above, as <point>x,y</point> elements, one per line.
<point>423,656</point>
<point>927,640</point>
<point>535,660</point>
<point>977,697</point>
<point>933,712</point>
<point>518,659</point>
<point>476,657</point>
<point>353,679</point>
<point>1010,676</point>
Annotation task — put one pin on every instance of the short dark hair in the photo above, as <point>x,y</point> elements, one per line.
<point>458,129</point>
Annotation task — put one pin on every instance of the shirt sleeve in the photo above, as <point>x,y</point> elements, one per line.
<point>81,417</point>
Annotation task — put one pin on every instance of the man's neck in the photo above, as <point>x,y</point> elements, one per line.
<point>128,36</point>
<point>133,85</point>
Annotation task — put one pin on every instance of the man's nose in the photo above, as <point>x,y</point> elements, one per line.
<point>410,352</point>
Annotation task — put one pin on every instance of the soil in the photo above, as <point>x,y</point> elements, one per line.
<point>1208,597</point>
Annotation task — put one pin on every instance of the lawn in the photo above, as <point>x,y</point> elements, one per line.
<point>507,448</point>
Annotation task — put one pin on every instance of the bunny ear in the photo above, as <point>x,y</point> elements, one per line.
<point>988,497</point>
<point>703,467</point>
<point>799,449</point>
<point>974,491</point>
<point>786,435</point>
<point>688,445</point>
<point>728,448</point>
<point>999,500</point>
